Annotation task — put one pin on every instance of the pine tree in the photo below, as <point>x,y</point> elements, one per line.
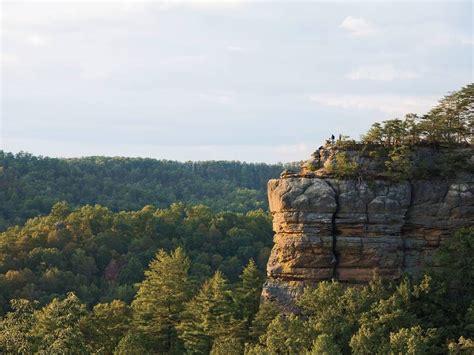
<point>208,316</point>
<point>248,293</point>
<point>160,299</point>
<point>267,312</point>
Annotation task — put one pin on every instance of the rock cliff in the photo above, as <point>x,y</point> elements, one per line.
<point>345,229</point>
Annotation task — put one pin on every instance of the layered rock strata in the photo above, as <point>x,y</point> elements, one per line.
<point>328,228</point>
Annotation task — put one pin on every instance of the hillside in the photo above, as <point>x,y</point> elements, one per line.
<point>30,185</point>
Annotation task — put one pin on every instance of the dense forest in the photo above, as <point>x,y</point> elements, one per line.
<point>31,185</point>
<point>171,314</point>
<point>100,254</point>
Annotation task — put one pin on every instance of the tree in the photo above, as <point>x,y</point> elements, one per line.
<point>412,341</point>
<point>57,326</point>
<point>248,293</point>
<point>374,135</point>
<point>455,261</point>
<point>15,329</point>
<point>160,299</point>
<point>287,334</point>
<point>106,325</point>
<point>399,164</point>
<point>385,316</point>
<point>208,316</point>
<point>336,310</point>
<point>267,312</point>
<point>325,345</point>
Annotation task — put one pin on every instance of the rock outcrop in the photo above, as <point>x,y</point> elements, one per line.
<point>346,229</point>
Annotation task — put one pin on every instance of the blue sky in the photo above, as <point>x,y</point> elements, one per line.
<point>253,81</point>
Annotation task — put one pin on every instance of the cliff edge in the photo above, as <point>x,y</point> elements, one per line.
<point>330,226</point>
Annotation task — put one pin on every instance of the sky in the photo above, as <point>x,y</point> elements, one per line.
<point>250,81</point>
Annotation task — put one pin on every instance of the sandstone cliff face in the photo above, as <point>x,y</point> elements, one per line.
<point>347,229</point>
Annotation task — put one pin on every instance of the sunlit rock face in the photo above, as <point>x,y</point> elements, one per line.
<point>347,229</point>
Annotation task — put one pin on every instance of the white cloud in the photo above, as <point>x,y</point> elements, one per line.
<point>357,26</point>
<point>382,73</point>
<point>392,105</point>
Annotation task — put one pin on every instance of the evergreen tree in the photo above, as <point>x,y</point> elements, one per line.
<point>267,312</point>
<point>160,299</point>
<point>248,293</point>
<point>288,334</point>
<point>412,341</point>
<point>208,316</point>
<point>106,325</point>
<point>384,317</point>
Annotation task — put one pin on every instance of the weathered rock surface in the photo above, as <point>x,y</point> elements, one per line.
<point>348,229</point>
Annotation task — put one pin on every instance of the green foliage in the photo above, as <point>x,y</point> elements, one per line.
<point>160,299</point>
<point>208,317</point>
<point>399,163</point>
<point>433,315</point>
<point>15,328</point>
<point>336,310</point>
<point>227,346</point>
<point>343,166</point>
<point>106,325</point>
<point>100,255</point>
<point>448,123</point>
<point>325,345</point>
<point>287,335</point>
<point>398,143</point>
<point>455,260</point>
<point>247,294</point>
<point>412,341</point>
<point>30,185</point>
<point>57,325</point>
<point>267,312</point>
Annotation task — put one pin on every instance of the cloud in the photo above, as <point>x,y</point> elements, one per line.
<point>357,26</point>
<point>382,73</point>
<point>393,105</point>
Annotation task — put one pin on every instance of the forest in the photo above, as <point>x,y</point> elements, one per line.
<point>100,255</point>
<point>31,185</point>
<point>173,314</point>
<point>138,256</point>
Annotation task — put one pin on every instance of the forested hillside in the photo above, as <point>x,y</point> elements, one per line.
<point>100,255</point>
<point>30,185</point>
